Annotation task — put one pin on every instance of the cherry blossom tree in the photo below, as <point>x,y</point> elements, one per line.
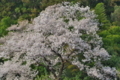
<point>59,34</point>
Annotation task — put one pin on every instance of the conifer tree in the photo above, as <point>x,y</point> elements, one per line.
<point>101,15</point>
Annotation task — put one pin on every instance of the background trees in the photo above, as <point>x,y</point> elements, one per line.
<point>101,15</point>
<point>116,16</point>
<point>4,24</point>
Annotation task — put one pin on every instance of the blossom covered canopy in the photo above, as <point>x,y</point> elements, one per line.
<point>58,34</point>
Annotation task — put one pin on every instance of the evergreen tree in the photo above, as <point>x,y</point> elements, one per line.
<point>116,16</point>
<point>100,11</point>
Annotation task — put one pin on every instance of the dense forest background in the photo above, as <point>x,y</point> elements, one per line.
<point>108,11</point>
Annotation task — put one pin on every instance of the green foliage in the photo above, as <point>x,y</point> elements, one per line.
<point>113,61</point>
<point>71,28</point>
<point>72,72</point>
<point>114,30</point>
<point>66,20</point>
<point>23,17</point>
<point>4,24</point>
<point>44,76</point>
<point>6,21</point>
<point>24,10</point>
<point>111,39</point>
<point>78,76</point>
<point>79,15</point>
<point>104,33</point>
<point>111,36</point>
<point>2,60</point>
<point>24,63</point>
<point>42,71</point>
<point>17,10</point>
<point>116,16</point>
<point>100,11</point>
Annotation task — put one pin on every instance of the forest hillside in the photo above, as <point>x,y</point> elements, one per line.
<point>59,40</point>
